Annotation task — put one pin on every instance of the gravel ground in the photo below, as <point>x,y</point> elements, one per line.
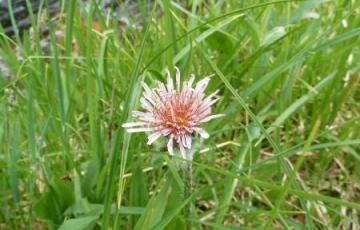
<point>23,21</point>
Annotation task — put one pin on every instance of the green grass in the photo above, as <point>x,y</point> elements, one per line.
<point>285,156</point>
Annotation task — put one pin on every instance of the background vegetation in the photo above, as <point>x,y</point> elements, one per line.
<point>285,156</point>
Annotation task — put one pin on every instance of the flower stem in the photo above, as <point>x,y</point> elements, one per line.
<point>187,170</point>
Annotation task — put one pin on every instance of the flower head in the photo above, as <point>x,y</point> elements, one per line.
<point>174,112</point>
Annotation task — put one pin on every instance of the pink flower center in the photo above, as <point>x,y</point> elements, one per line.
<point>176,120</point>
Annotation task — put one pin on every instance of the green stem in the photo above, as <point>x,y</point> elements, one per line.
<point>187,193</point>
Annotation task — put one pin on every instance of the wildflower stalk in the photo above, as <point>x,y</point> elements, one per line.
<point>187,176</point>
<point>176,110</point>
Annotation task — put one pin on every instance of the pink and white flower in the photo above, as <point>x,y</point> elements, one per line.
<point>174,112</point>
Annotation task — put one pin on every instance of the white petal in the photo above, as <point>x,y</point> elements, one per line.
<point>170,145</point>
<point>201,86</point>
<point>205,108</point>
<point>185,88</point>
<point>147,91</point>
<point>153,137</point>
<point>199,116</point>
<point>213,101</point>
<point>149,98</point>
<point>165,131</point>
<point>191,80</point>
<point>202,132</point>
<point>149,120</point>
<point>183,141</point>
<point>161,89</point>
<point>139,130</point>
<point>186,141</point>
<point>140,114</point>
<point>177,78</point>
<point>206,119</point>
<point>145,104</point>
<point>213,94</point>
<point>195,102</point>
<point>146,87</point>
<point>170,83</point>
<point>207,104</point>
<point>182,150</point>
<point>133,124</point>
<point>147,117</point>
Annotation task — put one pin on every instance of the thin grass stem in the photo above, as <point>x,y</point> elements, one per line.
<point>188,185</point>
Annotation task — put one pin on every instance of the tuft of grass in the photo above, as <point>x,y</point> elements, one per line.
<point>286,155</point>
